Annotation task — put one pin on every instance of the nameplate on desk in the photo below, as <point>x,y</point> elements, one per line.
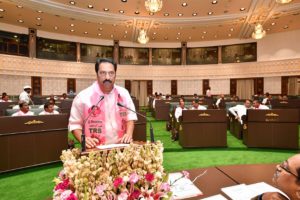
<point>204,115</point>
<point>111,146</point>
<point>33,122</point>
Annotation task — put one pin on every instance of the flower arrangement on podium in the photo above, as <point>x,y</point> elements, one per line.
<point>134,172</point>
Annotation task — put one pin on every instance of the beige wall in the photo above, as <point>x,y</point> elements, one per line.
<point>272,85</point>
<point>188,87</point>
<point>13,84</point>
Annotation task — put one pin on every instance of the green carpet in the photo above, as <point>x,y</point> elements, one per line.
<point>36,183</point>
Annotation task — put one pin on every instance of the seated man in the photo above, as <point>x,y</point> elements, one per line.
<point>197,106</point>
<point>5,98</point>
<point>239,110</point>
<point>49,109</point>
<point>221,99</point>
<point>51,101</point>
<point>24,110</point>
<point>64,96</point>
<point>267,99</point>
<point>257,105</point>
<point>178,111</point>
<point>286,179</point>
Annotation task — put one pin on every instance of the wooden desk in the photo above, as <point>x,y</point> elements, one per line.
<point>211,182</point>
<point>250,174</point>
<point>32,140</point>
<point>140,132</point>
<point>203,128</point>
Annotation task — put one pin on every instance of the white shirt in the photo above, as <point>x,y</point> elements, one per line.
<point>218,102</point>
<point>238,110</point>
<point>55,106</point>
<point>20,113</point>
<point>49,113</point>
<point>264,101</point>
<point>82,100</point>
<point>178,112</point>
<point>17,107</point>
<point>199,108</point>
<point>1,100</point>
<point>262,107</point>
<point>24,96</point>
<point>208,93</point>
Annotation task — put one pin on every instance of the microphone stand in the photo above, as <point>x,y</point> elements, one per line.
<point>151,127</point>
<point>83,148</point>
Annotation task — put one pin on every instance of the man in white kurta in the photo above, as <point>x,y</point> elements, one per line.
<point>24,110</point>
<point>239,110</point>
<point>25,95</point>
<point>108,123</point>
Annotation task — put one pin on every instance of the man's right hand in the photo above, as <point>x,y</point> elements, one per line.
<point>91,142</point>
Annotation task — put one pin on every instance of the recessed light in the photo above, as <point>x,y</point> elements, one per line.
<point>231,29</point>
<point>15,36</point>
<point>190,38</point>
<point>268,29</point>
<point>154,33</point>
<point>121,11</point>
<point>85,32</point>
<point>55,27</point>
<point>151,13</point>
<point>111,36</point>
<point>242,9</point>
<point>229,35</point>
<point>153,38</point>
<point>39,11</point>
<point>19,6</point>
<point>204,32</point>
<point>177,38</point>
<point>100,23</point>
<point>72,2</point>
<point>2,10</point>
<point>137,12</point>
<point>166,14</point>
<point>273,23</point>
<point>178,33</point>
<point>72,30</point>
<point>184,4</point>
<point>38,18</point>
<point>38,24</point>
<point>106,9</point>
<point>20,21</point>
<point>124,36</point>
<point>202,37</point>
<point>127,26</point>
<point>90,6</point>
<point>195,14</point>
<point>124,1</point>
<point>99,34</point>
<point>114,25</point>
<point>214,2</point>
<point>286,27</point>
<point>72,25</point>
<point>100,29</point>
<point>180,14</point>
<point>210,13</point>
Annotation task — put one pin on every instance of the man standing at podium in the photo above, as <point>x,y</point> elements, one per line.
<point>108,123</point>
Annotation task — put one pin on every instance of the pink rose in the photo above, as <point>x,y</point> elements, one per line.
<point>165,187</point>
<point>72,197</point>
<point>118,181</point>
<point>149,177</point>
<point>135,194</point>
<point>133,178</point>
<point>186,174</point>
<point>65,195</point>
<point>100,189</point>
<point>123,196</point>
<point>63,185</point>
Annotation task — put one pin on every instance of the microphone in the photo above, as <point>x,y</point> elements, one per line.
<point>151,128</point>
<point>83,148</point>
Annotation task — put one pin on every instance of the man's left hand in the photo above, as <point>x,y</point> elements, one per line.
<point>126,138</point>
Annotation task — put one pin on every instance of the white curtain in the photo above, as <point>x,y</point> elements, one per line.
<point>139,90</point>
<point>245,88</point>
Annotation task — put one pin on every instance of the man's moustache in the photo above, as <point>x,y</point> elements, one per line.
<point>107,81</point>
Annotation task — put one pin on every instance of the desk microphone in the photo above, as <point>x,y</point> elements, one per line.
<point>83,148</point>
<point>151,128</point>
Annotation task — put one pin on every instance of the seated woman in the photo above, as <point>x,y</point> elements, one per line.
<point>24,110</point>
<point>49,109</point>
<point>286,179</point>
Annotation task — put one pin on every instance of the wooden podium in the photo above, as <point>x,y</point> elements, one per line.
<point>32,140</point>
<point>203,128</point>
<point>277,128</point>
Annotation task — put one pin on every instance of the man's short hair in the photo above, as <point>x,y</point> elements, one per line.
<point>46,105</point>
<point>105,60</point>
<point>21,103</point>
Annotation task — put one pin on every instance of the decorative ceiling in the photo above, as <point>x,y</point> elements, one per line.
<point>179,20</point>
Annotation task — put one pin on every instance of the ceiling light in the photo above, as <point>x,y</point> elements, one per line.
<point>72,30</point>
<point>258,32</point>
<point>121,11</point>
<point>180,14</point>
<point>137,12</point>
<point>178,33</point>
<point>2,10</point>
<point>39,11</point>
<point>268,29</point>
<point>100,29</point>
<point>273,23</point>
<point>151,13</point>
<point>124,1</point>
<point>177,38</point>
<point>184,4</point>
<point>204,32</point>
<point>153,5</point>
<point>72,25</point>
<point>111,35</point>
<point>38,18</point>
<point>283,1</point>
<point>38,24</point>
<point>154,33</point>
<point>124,36</point>
<point>125,32</point>
<point>90,6</point>
<point>142,37</point>
<point>20,21</point>
<point>153,38</point>
<point>210,13</point>
<point>194,14</point>
<point>286,27</point>
<point>55,27</point>
<point>229,35</point>
<point>166,14</point>
<point>231,29</point>
<point>72,2</point>
<point>85,32</point>
<point>106,9</point>
<point>15,36</point>
<point>19,6</point>
<point>99,34</point>
<point>202,37</point>
<point>214,2</point>
<point>114,25</point>
<point>242,9</point>
<point>190,38</point>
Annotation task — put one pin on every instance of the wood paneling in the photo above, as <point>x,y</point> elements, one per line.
<point>258,85</point>
<point>233,86</point>
<point>36,84</point>
<point>173,87</point>
<point>128,85</point>
<point>149,87</point>
<point>71,85</point>
<point>205,85</point>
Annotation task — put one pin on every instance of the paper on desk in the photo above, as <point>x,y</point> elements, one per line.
<point>246,192</point>
<point>183,188</point>
<point>215,197</point>
<point>111,146</point>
